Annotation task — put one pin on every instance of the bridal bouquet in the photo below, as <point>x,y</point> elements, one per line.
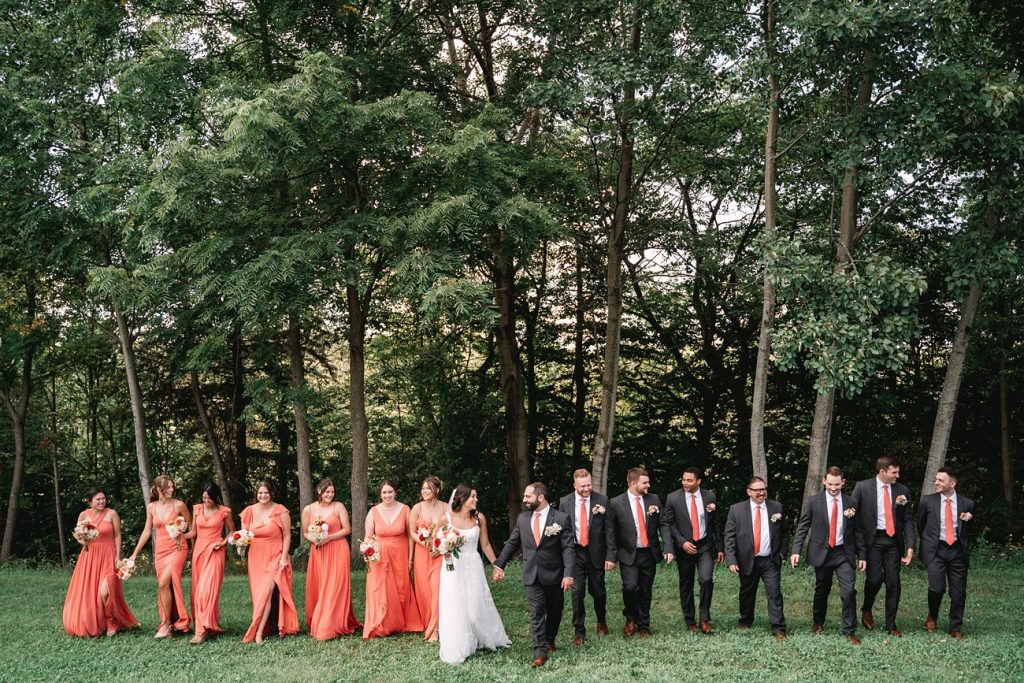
<point>424,532</point>
<point>175,529</point>
<point>125,568</point>
<point>317,531</point>
<point>241,539</point>
<point>84,532</point>
<point>370,550</point>
<point>447,541</point>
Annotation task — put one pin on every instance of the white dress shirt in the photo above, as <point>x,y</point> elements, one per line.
<point>880,504</point>
<point>942,516</point>
<point>543,520</point>
<point>636,521</point>
<point>576,512</point>
<point>766,537</point>
<point>831,500</point>
<point>700,512</point>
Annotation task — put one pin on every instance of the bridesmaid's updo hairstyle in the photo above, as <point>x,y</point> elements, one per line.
<point>386,482</point>
<point>213,491</point>
<point>323,486</point>
<point>263,484</point>
<point>92,493</point>
<point>435,485</point>
<point>459,498</point>
<point>160,484</point>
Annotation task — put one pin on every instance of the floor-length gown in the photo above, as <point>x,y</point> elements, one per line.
<point>84,614</point>
<point>208,567</point>
<point>390,606</point>
<point>267,580</point>
<point>467,618</point>
<point>170,558</point>
<point>426,571</point>
<point>329,587</point>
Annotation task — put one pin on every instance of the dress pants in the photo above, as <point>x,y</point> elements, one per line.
<point>836,563</point>
<point>703,564</point>
<point>587,578</point>
<point>948,566</point>
<point>637,586</point>
<point>545,615</point>
<point>767,571</point>
<point>883,565</point>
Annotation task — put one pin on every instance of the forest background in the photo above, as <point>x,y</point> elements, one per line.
<point>499,240</point>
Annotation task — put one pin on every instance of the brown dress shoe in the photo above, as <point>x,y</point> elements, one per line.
<point>929,625</point>
<point>867,619</point>
<point>705,627</point>
<point>538,661</point>
<point>780,636</point>
<point>551,648</point>
<point>854,640</point>
<point>957,635</point>
<point>644,633</point>
<point>742,627</point>
<point>577,641</point>
<point>895,632</point>
<point>602,628</point>
<point>629,629</point>
<point>817,628</point>
<point>692,628</point>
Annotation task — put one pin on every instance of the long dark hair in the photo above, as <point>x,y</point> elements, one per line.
<point>213,491</point>
<point>462,494</point>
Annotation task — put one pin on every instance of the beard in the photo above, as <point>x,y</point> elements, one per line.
<point>529,505</point>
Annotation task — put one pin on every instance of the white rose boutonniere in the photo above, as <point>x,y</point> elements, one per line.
<point>653,510</point>
<point>777,516</point>
<point>965,516</point>
<point>597,509</point>
<point>849,512</point>
<point>901,500</point>
<point>553,530</point>
<point>710,507</point>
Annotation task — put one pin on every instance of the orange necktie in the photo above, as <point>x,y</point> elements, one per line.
<point>890,525</point>
<point>536,528</point>
<point>584,531</point>
<point>642,521</point>
<point>694,517</point>
<point>950,538</point>
<point>833,523</point>
<point>757,531</point>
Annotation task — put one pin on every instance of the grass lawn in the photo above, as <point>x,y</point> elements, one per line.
<point>33,645</point>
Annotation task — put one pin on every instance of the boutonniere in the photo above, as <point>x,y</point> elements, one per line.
<point>849,512</point>
<point>710,507</point>
<point>553,530</point>
<point>965,516</point>
<point>653,510</point>
<point>597,509</point>
<point>776,517</point>
<point>901,500</point>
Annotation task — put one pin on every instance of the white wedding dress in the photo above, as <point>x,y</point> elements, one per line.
<point>467,618</point>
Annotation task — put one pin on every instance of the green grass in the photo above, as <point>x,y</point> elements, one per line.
<point>33,645</point>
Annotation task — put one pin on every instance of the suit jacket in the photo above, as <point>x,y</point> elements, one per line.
<point>865,499</point>
<point>677,519</point>
<point>599,534</point>
<point>739,534</point>
<point>816,520</point>
<point>929,517</point>
<point>550,561</point>
<point>624,541</point>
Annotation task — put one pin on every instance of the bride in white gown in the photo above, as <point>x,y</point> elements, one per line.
<point>467,618</point>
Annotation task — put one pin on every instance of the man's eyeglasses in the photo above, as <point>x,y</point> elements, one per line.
<point>758,490</point>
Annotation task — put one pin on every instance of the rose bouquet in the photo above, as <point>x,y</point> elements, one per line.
<point>125,568</point>
<point>448,541</point>
<point>175,529</point>
<point>84,532</point>
<point>370,550</point>
<point>317,531</point>
<point>241,539</point>
<point>424,532</point>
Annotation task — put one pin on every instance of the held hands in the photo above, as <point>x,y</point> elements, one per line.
<point>689,548</point>
<point>794,560</point>
<point>567,583</point>
<point>497,574</point>
<point>908,557</point>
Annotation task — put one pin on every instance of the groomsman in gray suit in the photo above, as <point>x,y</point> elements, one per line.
<point>828,524</point>
<point>754,538</point>
<point>545,536</point>
<point>595,544</point>
<point>944,523</point>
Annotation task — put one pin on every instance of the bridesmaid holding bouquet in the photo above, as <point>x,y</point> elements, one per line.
<point>390,605</point>
<point>423,520</point>
<point>270,571</point>
<point>328,580</point>
<point>95,604</point>
<point>170,520</point>
<point>211,517</point>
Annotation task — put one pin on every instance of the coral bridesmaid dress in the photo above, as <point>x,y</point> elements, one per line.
<point>266,580</point>
<point>170,559</point>
<point>390,605</point>
<point>427,576</point>
<point>328,587</point>
<point>84,614</point>
<point>208,567</point>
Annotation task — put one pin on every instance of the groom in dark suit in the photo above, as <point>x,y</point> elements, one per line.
<point>546,538</point>
<point>834,542</point>
<point>944,523</point>
<point>636,521</point>
<point>754,534</point>
<point>594,543</point>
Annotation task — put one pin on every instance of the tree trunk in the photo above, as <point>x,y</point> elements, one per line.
<point>239,442</point>
<point>821,428</point>
<point>359,484</point>
<point>54,453</point>
<point>517,441</point>
<point>124,336</point>
<point>284,438</point>
<point>758,452</point>
<point>211,439</point>
<point>1004,435</point>
<point>579,377</point>
<point>616,240</point>
<point>303,463</point>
